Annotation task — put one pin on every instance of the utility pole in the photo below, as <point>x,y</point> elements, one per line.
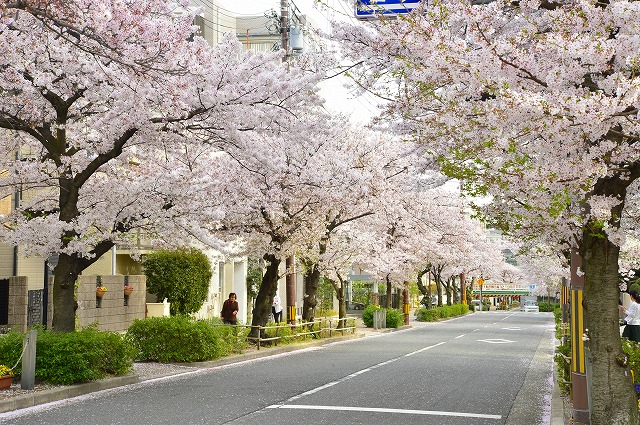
<point>284,27</point>
<point>290,263</point>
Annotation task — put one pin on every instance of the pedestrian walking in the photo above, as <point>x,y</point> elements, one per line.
<point>276,309</point>
<point>632,329</point>
<point>230,310</point>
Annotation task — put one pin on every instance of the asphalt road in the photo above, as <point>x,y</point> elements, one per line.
<point>485,368</point>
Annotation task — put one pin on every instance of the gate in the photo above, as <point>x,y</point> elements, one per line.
<point>4,301</point>
<point>34,308</point>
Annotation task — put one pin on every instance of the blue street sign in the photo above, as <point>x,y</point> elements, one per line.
<point>371,8</point>
<point>532,287</point>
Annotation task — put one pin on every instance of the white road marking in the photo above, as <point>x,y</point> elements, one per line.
<point>496,341</point>
<point>512,329</point>
<point>354,374</point>
<point>384,410</point>
<point>423,349</point>
<point>460,336</point>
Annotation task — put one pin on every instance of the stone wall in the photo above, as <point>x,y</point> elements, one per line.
<point>114,311</point>
<point>18,303</point>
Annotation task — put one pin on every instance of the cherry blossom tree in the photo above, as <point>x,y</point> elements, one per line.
<point>536,103</point>
<point>105,110</point>
<point>285,193</point>
<point>373,166</point>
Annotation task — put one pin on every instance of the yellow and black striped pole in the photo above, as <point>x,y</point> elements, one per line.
<point>405,303</point>
<point>578,365</point>
<point>291,290</point>
<point>577,330</point>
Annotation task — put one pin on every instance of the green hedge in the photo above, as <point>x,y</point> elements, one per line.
<point>183,339</point>
<point>544,306</point>
<point>395,317</point>
<point>10,349</point>
<point>72,357</point>
<point>434,314</point>
<point>367,315</point>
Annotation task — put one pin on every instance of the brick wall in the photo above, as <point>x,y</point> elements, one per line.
<point>110,312</point>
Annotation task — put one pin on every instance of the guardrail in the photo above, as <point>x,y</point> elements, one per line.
<point>320,328</point>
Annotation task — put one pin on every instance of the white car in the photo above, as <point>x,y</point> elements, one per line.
<point>529,305</point>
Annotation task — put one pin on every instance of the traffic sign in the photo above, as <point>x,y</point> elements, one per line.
<point>532,287</point>
<point>480,281</point>
<point>373,8</point>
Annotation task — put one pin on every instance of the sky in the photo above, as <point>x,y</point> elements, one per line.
<point>339,99</point>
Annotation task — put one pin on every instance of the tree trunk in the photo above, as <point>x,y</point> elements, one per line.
<point>64,302</point>
<point>310,301</point>
<point>66,274</point>
<point>454,291</point>
<point>267,291</point>
<point>429,291</point>
<point>423,289</point>
<point>342,301</point>
<point>389,303</point>
<point>613,397</point>
<point>436,277</point>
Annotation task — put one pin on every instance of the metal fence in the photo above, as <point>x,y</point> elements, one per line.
<point>320,328</point>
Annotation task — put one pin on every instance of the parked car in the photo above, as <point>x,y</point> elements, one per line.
<point>529,306</point>
<point>356,306</point>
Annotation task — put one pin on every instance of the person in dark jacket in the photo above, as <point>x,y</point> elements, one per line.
<point>230,310</point>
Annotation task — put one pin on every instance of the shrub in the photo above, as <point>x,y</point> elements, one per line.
<point>10,349</point>
<point>395,318</point>
<point>427,315</point>
<point>86,355</point>
<point>433,314</point>
<point>324,312</point>
<point>71,357</point>
<point>182,277</point>
<point>564,368</point>
<point>183,339</point>
<point>284,333</point>
<point>544,306</point>
<point>632,349</point>
<point>367,315</point>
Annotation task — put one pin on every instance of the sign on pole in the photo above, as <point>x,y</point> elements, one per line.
<point>372,8</point>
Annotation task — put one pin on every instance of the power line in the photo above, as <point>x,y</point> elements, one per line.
<point>218,7</point>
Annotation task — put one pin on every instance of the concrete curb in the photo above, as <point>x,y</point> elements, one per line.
<point>61,393</point>
<point>557,406</point>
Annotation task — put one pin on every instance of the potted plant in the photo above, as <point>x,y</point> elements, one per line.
<point>128,289</point>
<point>100,290</point>
<point>6,376</point>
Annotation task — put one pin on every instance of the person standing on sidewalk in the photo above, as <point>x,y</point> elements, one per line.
<point>632,330</point>
<point>276,309</point>
<point>230,310</point>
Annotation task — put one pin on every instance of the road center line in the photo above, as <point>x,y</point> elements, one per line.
<point>354,374</point>
<point>384,410</point>
<point>460,336</point>
<point>423,349</point>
